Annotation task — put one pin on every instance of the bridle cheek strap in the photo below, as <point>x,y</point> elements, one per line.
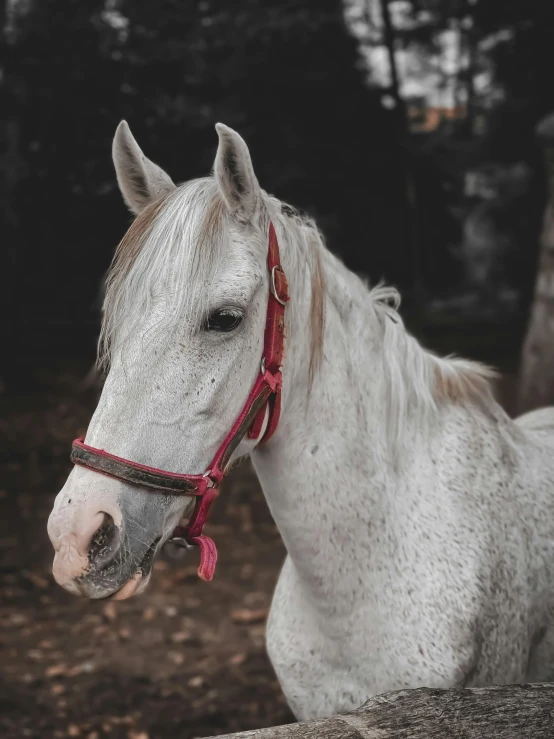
<point>263,401</point>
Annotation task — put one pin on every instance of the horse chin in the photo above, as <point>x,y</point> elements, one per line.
<point>136,585</point>
<point>119,579</point>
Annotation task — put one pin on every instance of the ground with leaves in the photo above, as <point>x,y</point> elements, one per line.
<point>186,659</point>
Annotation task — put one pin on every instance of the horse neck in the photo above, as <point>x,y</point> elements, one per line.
<point>357,443</point>
<point>322,472</point>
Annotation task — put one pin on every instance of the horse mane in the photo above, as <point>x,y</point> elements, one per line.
<point>416,380</point>
<point>180,238</point>
<point>309,247</point>
<point>414,376</point>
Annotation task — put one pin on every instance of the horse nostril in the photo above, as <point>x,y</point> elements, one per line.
<point>104,542</point>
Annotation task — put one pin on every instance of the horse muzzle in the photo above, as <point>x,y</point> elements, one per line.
<point>97,557</point>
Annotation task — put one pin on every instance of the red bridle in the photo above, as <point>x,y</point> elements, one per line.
<point>264,396</point>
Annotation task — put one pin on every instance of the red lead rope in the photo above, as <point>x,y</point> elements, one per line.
<point>264,399</point>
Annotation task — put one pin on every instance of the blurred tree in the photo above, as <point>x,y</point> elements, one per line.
<point>287,76</point>
<point>537,362</point>
<point>284,75</point>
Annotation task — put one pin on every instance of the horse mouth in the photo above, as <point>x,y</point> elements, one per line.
<point>134,586</point>
<point>137,583</point>
<point>146,563</point>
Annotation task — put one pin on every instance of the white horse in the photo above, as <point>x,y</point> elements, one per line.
<point>418,518</point>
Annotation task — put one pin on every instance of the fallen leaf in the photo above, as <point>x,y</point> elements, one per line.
<point>56,670</point>
<point>149,613</point>
<point>176,657</point>
<point>237,659</point>
<point>18,619</point>
<point>187,572</point>
<point>38,580</point>
<point>247,616</point>
<point>255,599</point>
<point>73,730</point>
<point>121,719</point>
<point>196,682</point>
<point>180,636</point>
<point>83,667</point>
<point>110,611</point>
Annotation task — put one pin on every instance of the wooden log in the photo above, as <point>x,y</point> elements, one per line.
<point>499,712</point>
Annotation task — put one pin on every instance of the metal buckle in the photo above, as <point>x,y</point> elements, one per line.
<point>211,483</point>
<point>180,542</point>
<point>273,288</point>
<point>177,548</point>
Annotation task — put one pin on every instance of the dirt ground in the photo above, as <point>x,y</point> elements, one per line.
<point>185,659</point>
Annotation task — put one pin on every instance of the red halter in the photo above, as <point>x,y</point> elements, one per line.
<point>265,395</point>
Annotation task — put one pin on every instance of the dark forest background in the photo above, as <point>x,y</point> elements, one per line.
<point>288,76</point>
<point>440,192</point>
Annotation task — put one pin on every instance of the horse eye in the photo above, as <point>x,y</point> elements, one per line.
<point>223,320</point>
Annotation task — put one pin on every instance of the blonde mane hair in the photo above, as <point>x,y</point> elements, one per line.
<point>417,382</point>
<point>176,240</point>
<point>306,252</point>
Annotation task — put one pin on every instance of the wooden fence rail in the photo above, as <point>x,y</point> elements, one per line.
<point>503,712</point>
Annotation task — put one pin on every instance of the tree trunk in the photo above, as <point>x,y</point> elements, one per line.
<point>537,361</point>
<point>504,712</point>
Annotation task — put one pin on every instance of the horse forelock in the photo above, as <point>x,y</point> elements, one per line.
<point>177,238</point>
<point>182,234</point>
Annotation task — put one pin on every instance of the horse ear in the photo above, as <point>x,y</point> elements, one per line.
<point>234,174</point>
<point>140,180</point>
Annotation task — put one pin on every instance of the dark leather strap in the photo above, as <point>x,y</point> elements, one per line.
<point>134,473</point>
